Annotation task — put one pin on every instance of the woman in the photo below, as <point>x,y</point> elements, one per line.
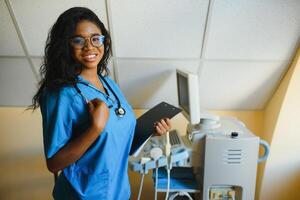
<point>88,125</point>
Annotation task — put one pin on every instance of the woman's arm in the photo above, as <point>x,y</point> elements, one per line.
<point>74,149</point>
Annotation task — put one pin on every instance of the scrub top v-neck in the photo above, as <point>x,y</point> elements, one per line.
<point>101,172</point>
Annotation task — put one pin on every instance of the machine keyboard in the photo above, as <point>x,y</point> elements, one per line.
<point>174,138</point>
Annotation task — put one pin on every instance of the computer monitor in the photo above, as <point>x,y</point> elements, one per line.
<point>188,95</point>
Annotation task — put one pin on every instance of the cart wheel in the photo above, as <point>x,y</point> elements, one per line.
<point>180,196</point>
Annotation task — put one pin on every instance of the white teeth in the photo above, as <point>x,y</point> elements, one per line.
<point>90,56</point>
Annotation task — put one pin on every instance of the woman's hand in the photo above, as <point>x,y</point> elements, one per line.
<point>162,126</point>
<point>99,114</point>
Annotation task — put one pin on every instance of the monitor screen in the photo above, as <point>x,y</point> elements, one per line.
<point>183,93</point>
<point>188,95</point>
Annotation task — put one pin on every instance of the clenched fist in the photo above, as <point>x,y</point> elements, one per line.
<point>99,113</point>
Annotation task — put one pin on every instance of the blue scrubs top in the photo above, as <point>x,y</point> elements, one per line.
<point>101,172</point>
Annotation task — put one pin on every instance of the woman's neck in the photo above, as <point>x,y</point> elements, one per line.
<point>92,77</point>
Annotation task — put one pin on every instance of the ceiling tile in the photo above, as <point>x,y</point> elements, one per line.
<point>36,18</point>
<point>146,83</point>
<point>17,82</point>
<point>162,29</point>
<point>9,42</point>
<point>238,85</point>
<point>265,30</point>
<point>37,62</point>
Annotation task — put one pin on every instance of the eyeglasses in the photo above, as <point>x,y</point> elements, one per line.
<point>78,42</point>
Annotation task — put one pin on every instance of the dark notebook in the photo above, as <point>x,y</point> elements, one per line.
<point>145,123</point>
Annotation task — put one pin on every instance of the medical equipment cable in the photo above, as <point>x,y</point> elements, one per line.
<point>155,154</point>
<point>143,171</point>
<point>169,164</point>
<point>141,186</point>
<point>156,180</point>
<point>168,183</point>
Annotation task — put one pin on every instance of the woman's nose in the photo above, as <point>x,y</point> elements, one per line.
<point>88,44</point>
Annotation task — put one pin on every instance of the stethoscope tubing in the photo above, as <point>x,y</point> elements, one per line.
<point>119,111</point>
<point>89,85</point>
<point>80,93</point>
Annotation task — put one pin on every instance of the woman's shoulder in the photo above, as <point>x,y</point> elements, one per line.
<point>64,93</point>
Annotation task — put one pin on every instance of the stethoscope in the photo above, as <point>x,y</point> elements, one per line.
<point>120,111</point>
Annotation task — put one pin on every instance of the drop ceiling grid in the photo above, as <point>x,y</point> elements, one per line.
<point>244,97</point>
<point>158,29</point>
<point>211,54</point>
<point>252,30</point>
<point>264,63</point>
<point>34,34</point>
<point>35,29</point>
<point>9,41</point>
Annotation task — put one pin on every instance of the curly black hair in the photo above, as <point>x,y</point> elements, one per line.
<point>59,68</point>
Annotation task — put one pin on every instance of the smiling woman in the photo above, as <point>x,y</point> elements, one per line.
<point>87,133</point>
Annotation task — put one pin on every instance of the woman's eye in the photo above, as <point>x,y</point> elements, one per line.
<point>78,40</point>
<point>95,39</point>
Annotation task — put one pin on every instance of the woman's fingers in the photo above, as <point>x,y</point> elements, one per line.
<point>168,122</point>
<point>165,124</point>
<point>162,126</point>
<point>158,130</point>
<point>91,106</point>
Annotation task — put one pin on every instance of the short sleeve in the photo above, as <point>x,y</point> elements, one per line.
<point>58,118</point>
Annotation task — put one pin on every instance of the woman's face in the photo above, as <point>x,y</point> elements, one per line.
<point>85,52</point>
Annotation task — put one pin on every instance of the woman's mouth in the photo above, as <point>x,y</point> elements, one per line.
<point>89,57</point>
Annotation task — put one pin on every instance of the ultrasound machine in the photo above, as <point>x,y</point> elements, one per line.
<point>216,159</point>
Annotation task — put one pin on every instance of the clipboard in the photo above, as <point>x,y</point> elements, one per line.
<point>144,127</point>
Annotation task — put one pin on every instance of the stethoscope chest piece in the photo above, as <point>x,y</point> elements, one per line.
<point>120,111</point>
